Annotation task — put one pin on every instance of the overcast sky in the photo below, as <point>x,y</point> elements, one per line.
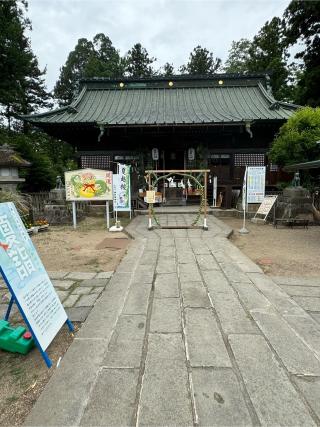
<point>168,29</point>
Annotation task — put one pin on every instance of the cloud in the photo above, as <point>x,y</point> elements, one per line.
<point>169,29</point>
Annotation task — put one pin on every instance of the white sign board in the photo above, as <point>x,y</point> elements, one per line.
<point>88,184</point>
<point>122,189</point>
<point>266,205</point>
<point>256,184</point>
<point>27,278</point>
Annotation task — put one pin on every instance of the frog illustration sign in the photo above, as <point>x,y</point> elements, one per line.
<point>88,184</point>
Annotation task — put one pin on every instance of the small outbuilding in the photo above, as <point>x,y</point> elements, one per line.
<point>10,163</point>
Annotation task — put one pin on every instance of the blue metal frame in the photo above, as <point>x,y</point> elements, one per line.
<point>12,300</point>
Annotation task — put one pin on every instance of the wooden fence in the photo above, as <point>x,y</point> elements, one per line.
<point>37,202</point>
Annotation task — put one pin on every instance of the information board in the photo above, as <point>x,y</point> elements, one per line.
<point>256,178</point>
<point>88,184</point>
<point>266,205</point>
<point>27,278</point>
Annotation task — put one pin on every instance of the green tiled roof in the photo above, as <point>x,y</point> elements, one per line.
<point>154,102</point>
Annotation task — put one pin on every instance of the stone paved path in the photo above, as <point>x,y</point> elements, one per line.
<point>78,292</point>
<point>188,331</point>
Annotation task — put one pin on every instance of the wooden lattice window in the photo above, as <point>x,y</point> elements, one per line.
<point>249,159</point>
<point>95,162</point>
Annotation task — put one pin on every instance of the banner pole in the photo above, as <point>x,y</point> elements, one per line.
<point>74,215</point>
<point>243,230</point>
<point>108,214</point>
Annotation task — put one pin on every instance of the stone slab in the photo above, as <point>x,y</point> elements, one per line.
<point>189,273</point>
<point>250,296</point>
<point>57,274</point>
<point>104,275</point>
<point>126,343</point>
<point>165,398</point>
<point>207,262</point>
<point>94,282</point>
<point>233,272</point>
<point>233,318</point>
<point>70,301</point>
<point>78,314</point>
<point>304,291</point>
<point>274,398</point>
<point>78,275</point>
<point>194,294</point>
<point>218,398</point>
<point>65,397</point>
<point>204,340</point>
<point>166,286</point>
<point>185,257</point>
<point>310,388</point>
<point>97,290</point>
<point>166,315</point>
<point>216,282</point>
<point>297,281</point>
<point>308,329</point>
<point>64,285</point>
<point>103,317</point>
<point>79,290</point>
<point>295,355</point>
<point>112,401</point>
<point>279,299</point>
<point>166,265</point>
<point>316,316</point>
<point>87,300</point>
<point>62,295</point>
<point>308,303</point>
<point>137,299</point>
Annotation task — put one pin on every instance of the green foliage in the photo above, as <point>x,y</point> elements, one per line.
<point>97,58</point>
<point>22,88</point>
<point>48,156</point>
<point>238,59</point>
<point>168,70</point>
<point>138,62</point>
<point>201,62</point>
<point>302,22</point>
<point>297,138</point>
<point>266,53</point>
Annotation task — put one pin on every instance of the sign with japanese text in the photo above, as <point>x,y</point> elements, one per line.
<point>151,197</point>
<point>256,177</point>
<point>266,205</point>
<point>122,188</point>
<point>27,278</point>
<point>88,184</point>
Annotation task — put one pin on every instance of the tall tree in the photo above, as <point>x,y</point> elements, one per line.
<point>302,22</point>
<point>73,71</point>
<point>22,87</point>
<point>201,62</point>
<point>266,53</point>
<point>138,62</point>
<point>97,58</point>
<point>105,61</point>
<point>239,56</point>
<point>168,70</point>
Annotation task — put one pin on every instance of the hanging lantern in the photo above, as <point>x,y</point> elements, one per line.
<point>155,154</point>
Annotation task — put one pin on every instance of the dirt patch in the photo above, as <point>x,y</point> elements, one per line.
<point>65,249</point>
<point>24,377</point>
<point>280,251</point>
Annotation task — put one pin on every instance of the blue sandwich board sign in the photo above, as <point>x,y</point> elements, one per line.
<point>29,284</point>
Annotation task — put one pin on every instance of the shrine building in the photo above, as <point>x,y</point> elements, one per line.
<point>223,122</point>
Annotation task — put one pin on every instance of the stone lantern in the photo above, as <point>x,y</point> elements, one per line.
<point>10,163</point>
